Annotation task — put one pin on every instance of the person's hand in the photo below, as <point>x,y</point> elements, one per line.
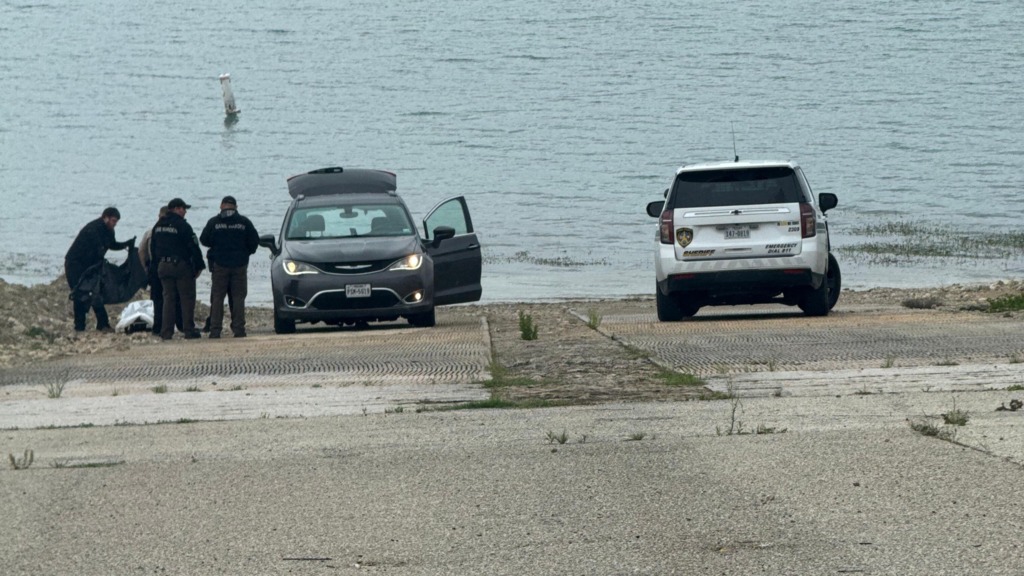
<point>131,241</point>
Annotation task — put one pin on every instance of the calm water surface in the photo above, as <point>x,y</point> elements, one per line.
<point>557,121</point>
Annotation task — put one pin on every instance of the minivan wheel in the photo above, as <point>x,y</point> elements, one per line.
<point>282,325</point>
<point>834,279</point>
<point>423,320</point>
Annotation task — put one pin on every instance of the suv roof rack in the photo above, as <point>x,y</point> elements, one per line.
<point>338,180</point>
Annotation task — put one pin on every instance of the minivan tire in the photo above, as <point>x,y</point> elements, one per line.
<point>423,320</point>
<point>282,325</point>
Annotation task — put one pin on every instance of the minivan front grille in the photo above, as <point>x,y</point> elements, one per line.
<point>348,268</point>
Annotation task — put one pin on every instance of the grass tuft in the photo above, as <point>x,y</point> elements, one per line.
<point>527,329</point>
<point>55,387</point>
<point>1008,303</point>
<point>928,429</point>
<point>560,438</point>
<point>23,462</point>
<point>593,319</point>
<point>672,378</point>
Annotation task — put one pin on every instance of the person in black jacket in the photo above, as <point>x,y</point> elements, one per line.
<point>175,250</point>
<point>156,289</point>
<point>231,238</point>
<point>89,248</point>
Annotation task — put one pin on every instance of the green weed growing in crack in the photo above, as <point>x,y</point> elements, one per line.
<point>956,416</point>
<point>527,329</point>
<point>947,362</point>
<point>21,463</point>
<point>159,389</point>
<point>560,438</point>
<point>636,436</point>
<point>55,387</point>
<point>673,378</point>
<point>593,319</point>
<point>889,362</point>
<point>1015,359</point>
<point>193,388</point>
<point>395,410</point>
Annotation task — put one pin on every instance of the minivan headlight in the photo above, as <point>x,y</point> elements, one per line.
<point>296,268</point>
<point>410,262</point>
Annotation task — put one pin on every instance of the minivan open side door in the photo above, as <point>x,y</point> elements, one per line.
<point>457,258</point>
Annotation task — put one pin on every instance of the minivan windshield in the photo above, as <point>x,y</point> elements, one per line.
<point>735,187</point>
<point>348,220</point>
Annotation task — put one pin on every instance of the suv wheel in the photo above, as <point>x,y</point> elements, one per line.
<point>283,326</point>
<point>424,320</point>
<point>815,300</point>
<point>670,308</point>
<point>834,279</point>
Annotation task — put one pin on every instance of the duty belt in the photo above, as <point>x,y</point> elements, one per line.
<point>169,259</point>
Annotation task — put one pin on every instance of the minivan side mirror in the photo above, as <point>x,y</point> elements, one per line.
<point>827,201</point>
<point>442,233</point>
<point>267,241</point>
<point>654,208</point>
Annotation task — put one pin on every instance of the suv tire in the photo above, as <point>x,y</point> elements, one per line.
<point>834,279</point>
<point>670,308</point>
<point>815,301</point>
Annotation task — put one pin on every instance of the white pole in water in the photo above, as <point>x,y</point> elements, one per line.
<point>229,97</point>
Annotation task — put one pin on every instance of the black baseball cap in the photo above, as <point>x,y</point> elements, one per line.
<point>229,200</point>
<point>178,203</point>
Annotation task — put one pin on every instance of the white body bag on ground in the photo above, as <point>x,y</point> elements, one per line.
<point>136,317</point>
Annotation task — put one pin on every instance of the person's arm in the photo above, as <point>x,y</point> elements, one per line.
<point>196,252</point>
<point>144,256</point>
<point>207,236</point>
<point>252,237</point>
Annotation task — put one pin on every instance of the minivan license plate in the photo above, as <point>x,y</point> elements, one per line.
<point>732,233</point>
<point>357,291</point>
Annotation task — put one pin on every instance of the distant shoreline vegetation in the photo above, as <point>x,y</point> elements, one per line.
<point>901,242</point>
<point>524,257</point>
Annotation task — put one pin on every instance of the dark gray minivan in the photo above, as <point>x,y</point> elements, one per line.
<point>349,252</point>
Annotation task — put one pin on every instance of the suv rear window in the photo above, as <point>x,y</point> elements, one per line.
<point>741,186</point>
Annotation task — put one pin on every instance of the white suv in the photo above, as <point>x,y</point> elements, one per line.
<point>743,233</point>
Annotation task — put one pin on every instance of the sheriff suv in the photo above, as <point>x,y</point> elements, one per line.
<point>349,252</point>
<point>743,233</point>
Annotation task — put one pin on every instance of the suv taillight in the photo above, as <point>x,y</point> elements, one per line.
<point>808,223</point>
<point>666,227</point>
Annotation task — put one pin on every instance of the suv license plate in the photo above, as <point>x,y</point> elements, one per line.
<point>733,233</point>
<point>357,291</point>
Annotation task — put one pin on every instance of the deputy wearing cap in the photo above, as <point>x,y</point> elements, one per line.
<point>179,260</point>
<point>231,238</point>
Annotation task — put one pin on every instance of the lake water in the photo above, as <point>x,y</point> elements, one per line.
<point>557,121</point>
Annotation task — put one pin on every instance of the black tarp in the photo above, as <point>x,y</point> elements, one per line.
<point>108,283</point>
